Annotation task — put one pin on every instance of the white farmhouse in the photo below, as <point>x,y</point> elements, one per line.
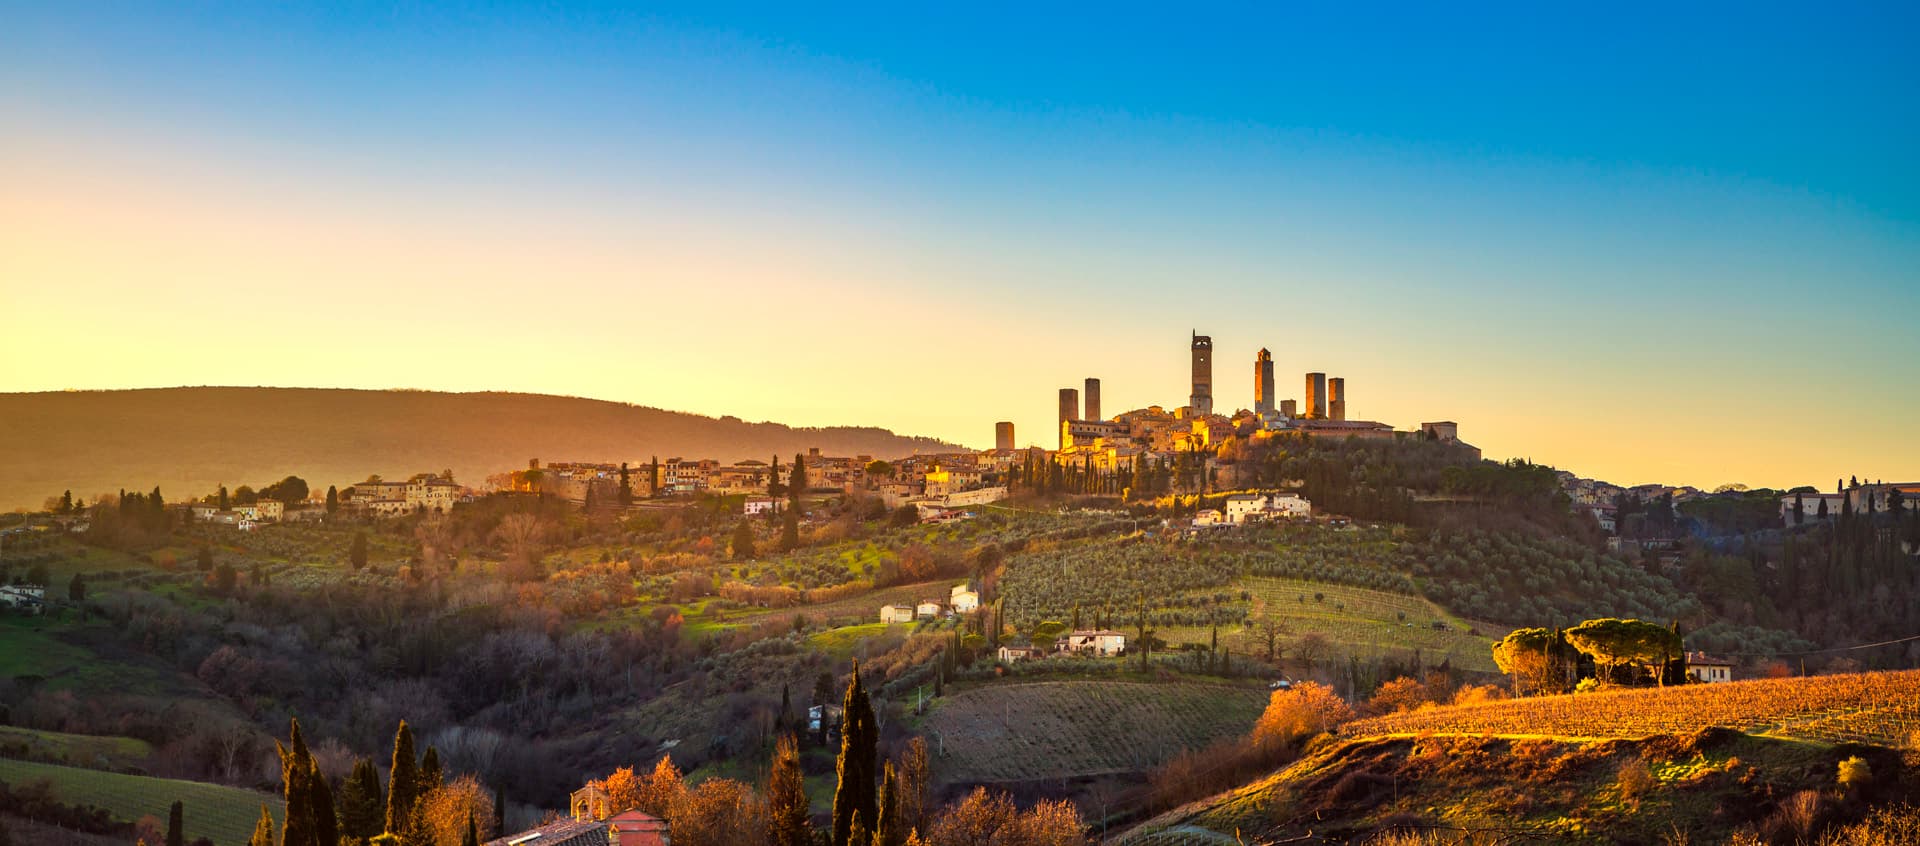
<point>963,600</point>
<point>896,614</point>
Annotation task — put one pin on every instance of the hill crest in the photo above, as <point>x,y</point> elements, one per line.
<point>188,440</point>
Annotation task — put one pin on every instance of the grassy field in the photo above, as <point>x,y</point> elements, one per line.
<point>1010,732</point>
<point>1881,709</point>
<point>1359,621</point>
<point>77,749</point>
<point>843,642</point>
<point>863,608</point>
<point>225,814</point>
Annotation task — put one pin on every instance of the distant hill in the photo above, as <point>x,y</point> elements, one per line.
<point>188,440</point>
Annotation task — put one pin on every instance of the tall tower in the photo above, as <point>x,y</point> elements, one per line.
<point>1263,383</point>
<point>1003,436</point>
<point>1316,401</point>
<point>1069,405</point>
<point>1202,399</point>
<point>1337,398</point>
<point>1093,400</point>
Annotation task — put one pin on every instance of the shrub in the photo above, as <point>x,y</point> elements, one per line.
<point>1634,779</point>
<point>1305,710</point>
<point>1854,773</point>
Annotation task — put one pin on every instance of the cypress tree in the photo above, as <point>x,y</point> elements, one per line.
<point>262,830</point>
<point>499,811</point>
<point>296,773</point>
<point>1799,509</point>
<point>431,777</point>
<point>222,500</point>
<point>472,837</point>
<point>790,531</point>
<point>176,825</point>
<point>788,817</point>
<point>403,781</point>
<point>626,495</point>
<point>357,554</point>
<point>853,796</point>
<point>887,831</point>
<point>797,480</point>
<point>362,802</point>
<point>326,821</point>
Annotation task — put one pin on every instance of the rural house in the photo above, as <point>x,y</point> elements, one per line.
<point>1100,643</point>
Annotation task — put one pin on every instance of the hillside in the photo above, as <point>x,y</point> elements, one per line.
<point>224,814</point>
<point>188,440</point>
<point>1697,788</point>
<point>1875,708</point>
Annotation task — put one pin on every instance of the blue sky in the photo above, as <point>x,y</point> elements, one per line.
<point>1601,238</point>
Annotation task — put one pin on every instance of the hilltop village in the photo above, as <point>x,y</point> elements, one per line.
<point>1061,642</point>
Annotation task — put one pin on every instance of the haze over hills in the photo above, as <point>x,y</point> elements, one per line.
<point>188,440</point>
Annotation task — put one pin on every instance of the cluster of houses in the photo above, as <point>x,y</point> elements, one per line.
<point>421,493</point>
<point>940,486</point>
<point>1241,509</point>
<point>1093,643</point>
<point>963,599</point>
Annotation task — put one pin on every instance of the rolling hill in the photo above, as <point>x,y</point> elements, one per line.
<point>188,440</point>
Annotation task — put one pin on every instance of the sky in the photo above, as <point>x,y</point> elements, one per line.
<point>1672,243</point>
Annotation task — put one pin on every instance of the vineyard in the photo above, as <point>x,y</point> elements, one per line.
<point>1357,621</point>
<point>1881,709</point>
<point>1022,732</point>
<point>223,814</point>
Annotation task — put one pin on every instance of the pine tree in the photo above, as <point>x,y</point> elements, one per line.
<point>853,796</point>
<point>362,802</point>
<point>887,830</point>
<point>742,541</point>
<point>788,816</point>
<point>262,830</point>
<point>403,781</point>
<point>176,825</point>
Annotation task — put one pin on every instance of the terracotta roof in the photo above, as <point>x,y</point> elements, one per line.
<point>558,833</point>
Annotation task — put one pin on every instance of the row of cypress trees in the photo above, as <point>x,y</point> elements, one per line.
<point>365,813</point>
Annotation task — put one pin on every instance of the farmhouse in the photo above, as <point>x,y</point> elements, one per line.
<point>1100,643</point>
<point>964,600</point>
<point>928,609</point>
<point>1246,508</point>
<point>896,613</point>
<point>1706,668</point>
<point>1010,653</point>
<point>760,505</point>
<point>30,599</point>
